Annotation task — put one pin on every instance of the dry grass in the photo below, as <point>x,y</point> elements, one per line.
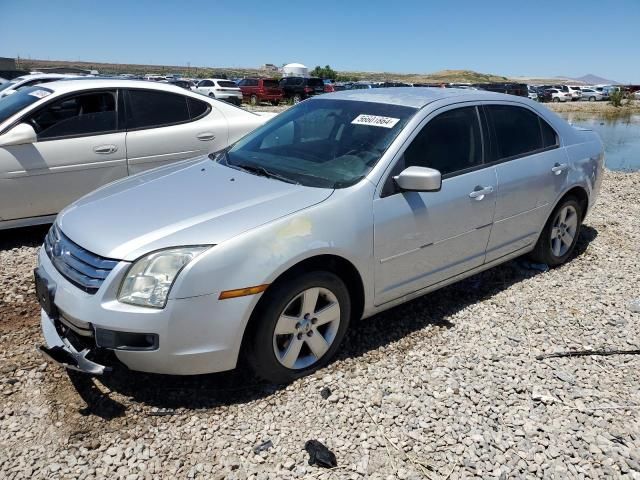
<point>603,109</point>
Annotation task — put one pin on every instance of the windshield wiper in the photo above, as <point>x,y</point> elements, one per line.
<point>257,170</point>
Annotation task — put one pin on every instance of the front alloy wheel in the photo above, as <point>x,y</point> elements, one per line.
<point>306,328</point>
<point>298,326</point>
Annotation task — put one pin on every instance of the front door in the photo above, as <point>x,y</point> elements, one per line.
<point>79,149</point>
<point>422,238</point>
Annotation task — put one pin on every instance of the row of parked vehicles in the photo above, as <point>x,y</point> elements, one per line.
<point>571,93</point>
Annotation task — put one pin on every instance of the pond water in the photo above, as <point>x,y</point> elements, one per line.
<point>621,138</point>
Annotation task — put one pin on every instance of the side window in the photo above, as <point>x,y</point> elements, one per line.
<point>451,142</point>
<point>150,108</point>
<point>549,137</point>
<point>197,108</point>
<point>517,130</point>
<point>243,83</point>
<point>205,83</point>
<point>86,114</point>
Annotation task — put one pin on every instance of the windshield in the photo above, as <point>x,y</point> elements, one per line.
<point>4,86</point>
<point>24,97</point>
<point>315,82</point>
<point>321,143</point>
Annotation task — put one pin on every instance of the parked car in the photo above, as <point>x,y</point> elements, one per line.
<point>591,94</point>
<point>8,88</point>
<point>533,95</point>
<point>339,208</point>
<point>518,89</point>
<point>544,95</point>
<point>559,96</point>
<point>299,88</point>
<point>61,140</point>
<point>182,83</point>
<point>256,90</point>
<point>220,89</point>
<point>636,95</point>
<point>360,86</point>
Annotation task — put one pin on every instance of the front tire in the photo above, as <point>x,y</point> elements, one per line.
<point>560,234</point>
<point>298,327</point>
<point>297,98</point>
<point>253,100</point>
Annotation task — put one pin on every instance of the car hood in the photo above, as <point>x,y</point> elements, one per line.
<point>197,202</point>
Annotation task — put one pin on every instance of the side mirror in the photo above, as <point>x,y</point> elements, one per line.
<point>419,179</point>
<point>21,134</point>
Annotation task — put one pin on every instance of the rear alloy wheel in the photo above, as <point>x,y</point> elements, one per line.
<point>300,326</point>
<point>253,100</point>
<point>556,99</point>
<point>560,234</point>
<point>297,98</point>
<point>592,99</point>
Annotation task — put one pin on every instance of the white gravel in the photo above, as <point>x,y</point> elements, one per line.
<point>446,386</point>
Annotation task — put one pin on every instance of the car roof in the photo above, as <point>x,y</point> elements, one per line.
<point>416,97</point>
<point>72,85</point>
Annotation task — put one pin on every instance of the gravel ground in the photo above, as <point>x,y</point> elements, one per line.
<point>446,386</point>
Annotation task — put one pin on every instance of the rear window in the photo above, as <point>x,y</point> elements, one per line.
<point>197,108</point>
<point>156,109</point>
<point>270,83</point>
<point>315,82</point>
<point>227,84</point>
<point>517,130</point>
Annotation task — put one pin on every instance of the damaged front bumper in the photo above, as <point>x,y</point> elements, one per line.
<point>62,351</point>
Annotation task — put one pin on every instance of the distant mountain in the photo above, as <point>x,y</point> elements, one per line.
<point>590,79</point>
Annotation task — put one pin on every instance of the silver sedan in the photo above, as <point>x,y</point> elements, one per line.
<point>339,208</point>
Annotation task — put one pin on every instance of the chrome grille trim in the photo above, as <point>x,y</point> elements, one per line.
<point>84,269</point>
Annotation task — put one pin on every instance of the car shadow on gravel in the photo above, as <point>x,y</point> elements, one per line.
<point>169,395</point>
<point>23,237</point>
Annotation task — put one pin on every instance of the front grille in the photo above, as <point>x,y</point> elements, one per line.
<point>84,269</point>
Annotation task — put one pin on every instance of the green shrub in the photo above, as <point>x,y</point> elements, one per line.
<point>616,97</point>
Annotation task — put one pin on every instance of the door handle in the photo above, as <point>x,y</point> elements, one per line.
<point>558,168</point>
<point>104,149</point>
<point>204,136</point>
<point>480,192</point>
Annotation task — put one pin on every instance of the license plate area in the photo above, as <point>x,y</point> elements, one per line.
<point>45,292</point>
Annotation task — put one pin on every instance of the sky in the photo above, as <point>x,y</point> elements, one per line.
<point>512,38</point>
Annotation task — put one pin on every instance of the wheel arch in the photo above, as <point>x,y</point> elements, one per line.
<point>580,193</point>
<point>336,264</point>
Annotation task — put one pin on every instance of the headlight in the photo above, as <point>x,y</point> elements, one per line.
<point>149,280</point>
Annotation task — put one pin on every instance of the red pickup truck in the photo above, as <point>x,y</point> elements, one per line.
<point>256,90</point>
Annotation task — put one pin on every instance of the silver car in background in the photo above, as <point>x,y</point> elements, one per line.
<point>339,208</point>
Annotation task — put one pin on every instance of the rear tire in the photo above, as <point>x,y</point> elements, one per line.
<point>592,99</point>
<point>556,100</point>
<point>275,103</point>
<point>311,314</point>
<point>560,234</point>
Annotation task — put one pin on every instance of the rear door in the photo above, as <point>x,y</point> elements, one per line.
<point>532,171</point>
<point>80,147</point>
<point>165,127</point>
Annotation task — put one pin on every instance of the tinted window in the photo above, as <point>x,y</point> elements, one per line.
<point>315,82</point>
<point>197,108</point>
<point>86,114</point>
<point>149,108</point>
<point>549,138</point>
<point>14,103</point>
<point>205,83</point>
<point>517,130</point>
<point>270,83</point>
<point>226,84</point>
<point>451,142</point>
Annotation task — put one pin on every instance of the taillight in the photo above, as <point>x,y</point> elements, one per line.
<point>308,89</point>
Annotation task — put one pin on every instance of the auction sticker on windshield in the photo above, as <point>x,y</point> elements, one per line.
<point>375,120</point>
<point>40,93</point>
